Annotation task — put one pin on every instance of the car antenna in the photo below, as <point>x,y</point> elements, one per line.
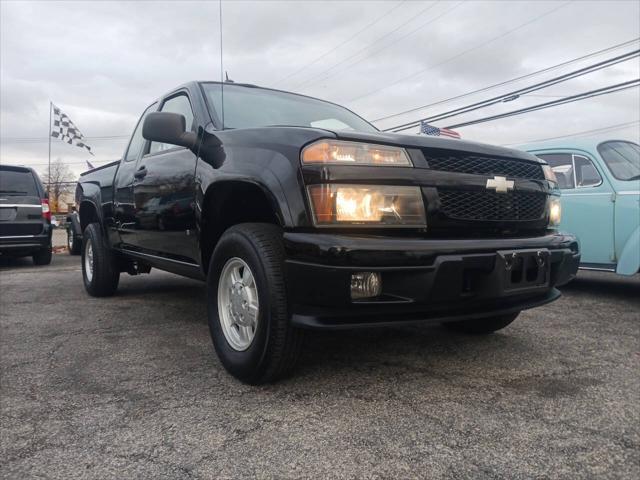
<point>221,66</point>
<point>226,77</point>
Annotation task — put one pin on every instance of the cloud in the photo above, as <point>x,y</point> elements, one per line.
<point>104,62</point>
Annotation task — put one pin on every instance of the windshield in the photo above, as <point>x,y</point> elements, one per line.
<point>247,107</point>
<point>622,159</point>
<point>17,181</point>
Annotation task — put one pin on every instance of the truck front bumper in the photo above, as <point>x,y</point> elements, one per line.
<point>428,280</point>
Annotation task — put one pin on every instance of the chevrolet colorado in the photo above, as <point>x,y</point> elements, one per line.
<point>299,214</point>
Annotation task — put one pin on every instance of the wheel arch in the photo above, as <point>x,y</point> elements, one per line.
<point>230,202</point>
<point>88,212</point>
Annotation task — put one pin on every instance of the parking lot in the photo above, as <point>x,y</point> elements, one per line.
<point>129,387</point>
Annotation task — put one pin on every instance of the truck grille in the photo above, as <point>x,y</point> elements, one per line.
<point>480,165</point>
<point>489,205</point>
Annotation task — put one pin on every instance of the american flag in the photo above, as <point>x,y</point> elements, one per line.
<point>427,129</point>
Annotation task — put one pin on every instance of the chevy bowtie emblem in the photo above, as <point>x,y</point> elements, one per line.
<point>500,184</point>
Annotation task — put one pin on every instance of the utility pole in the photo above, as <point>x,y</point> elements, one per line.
<point>49,135</point>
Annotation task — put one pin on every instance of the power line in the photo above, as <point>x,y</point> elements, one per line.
<point>515,94</point>
<point>22,140</point>
<point>317,59</point>
<point>379,50</point>
<point>413,17</point>
<point>610,128</point>
<point>70,163</point>
<point>455,57</point>
<point>506,82</point>
<point>574,98</point>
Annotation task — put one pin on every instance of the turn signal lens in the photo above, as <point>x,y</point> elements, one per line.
<point>555,212</point>
<point>354,153</point>
<point>549,174</point>
<point>367,205</point>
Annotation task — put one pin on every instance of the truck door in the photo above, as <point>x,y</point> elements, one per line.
<point>164,194</point>
<point>124,209</point>
<point>587,206</point>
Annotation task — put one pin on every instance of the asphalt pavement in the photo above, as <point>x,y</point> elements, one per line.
<point>130,387</point>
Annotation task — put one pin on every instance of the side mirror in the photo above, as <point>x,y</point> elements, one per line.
<point>166,127</point>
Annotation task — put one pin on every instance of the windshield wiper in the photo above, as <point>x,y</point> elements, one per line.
<point>635,177</point>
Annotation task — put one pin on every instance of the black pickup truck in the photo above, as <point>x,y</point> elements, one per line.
<point>300,215</point>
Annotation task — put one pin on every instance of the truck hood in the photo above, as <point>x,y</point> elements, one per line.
<point>425,141</point>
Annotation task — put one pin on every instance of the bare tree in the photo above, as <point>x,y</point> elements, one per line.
<point>59,183</point>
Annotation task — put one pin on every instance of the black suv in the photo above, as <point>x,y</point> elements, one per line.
<point>25,217</point>
<point>301,215</point>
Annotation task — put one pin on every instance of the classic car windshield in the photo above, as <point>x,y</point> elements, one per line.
<point>247,107</point>
<point>622,159</point>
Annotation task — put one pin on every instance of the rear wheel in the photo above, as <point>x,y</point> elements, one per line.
<point>42,257</point>
<point>247,305</point>
<point>482,326</point>
<point>100,271</point>
<point>73,244</point>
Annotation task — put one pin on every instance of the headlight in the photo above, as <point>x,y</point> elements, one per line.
<point>555,211</point>
<point>354,153</point>
<point>367,205</point>
<point>549,174</point>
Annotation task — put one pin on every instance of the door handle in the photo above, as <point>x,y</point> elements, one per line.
<point>141,173</point>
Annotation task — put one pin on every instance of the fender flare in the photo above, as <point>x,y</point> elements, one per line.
<point>89,194</point>
<point>629,262</point>
<point>272,190</point>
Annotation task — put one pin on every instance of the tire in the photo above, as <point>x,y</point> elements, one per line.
<point>42,257</point>
<point>482,326</point>
<point>274,348</point>
<point>100,271</point>
<point>73,243</point>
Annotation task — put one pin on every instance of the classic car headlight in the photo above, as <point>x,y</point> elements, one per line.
<point>367,205</point>
<point>354,153</point>
<point>549,174</point>
<point>555,211</point>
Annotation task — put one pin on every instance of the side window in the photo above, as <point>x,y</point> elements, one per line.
<point>137,140</point>
<point>562,166</point>
<point>178,104</point>
<point>586,173</point>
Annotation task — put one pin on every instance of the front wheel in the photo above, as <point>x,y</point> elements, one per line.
<point>247,305</point>
<point>100,271</point>
<point>482,326</point>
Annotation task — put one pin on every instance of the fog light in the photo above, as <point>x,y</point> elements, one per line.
<point>365,285</point>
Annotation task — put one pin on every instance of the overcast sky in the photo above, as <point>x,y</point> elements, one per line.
<point>104,62</point>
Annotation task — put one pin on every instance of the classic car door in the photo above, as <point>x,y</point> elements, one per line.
<point>587,206</point>
<point>164,194</point>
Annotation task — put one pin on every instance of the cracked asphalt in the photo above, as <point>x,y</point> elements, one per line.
<point>129,387</point>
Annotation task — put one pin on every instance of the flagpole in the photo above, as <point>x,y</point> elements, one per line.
<point>49,182</point>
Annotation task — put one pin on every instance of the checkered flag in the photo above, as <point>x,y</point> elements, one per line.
<point>64,129</point>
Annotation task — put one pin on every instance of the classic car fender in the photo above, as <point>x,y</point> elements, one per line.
<point>629,262</point>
